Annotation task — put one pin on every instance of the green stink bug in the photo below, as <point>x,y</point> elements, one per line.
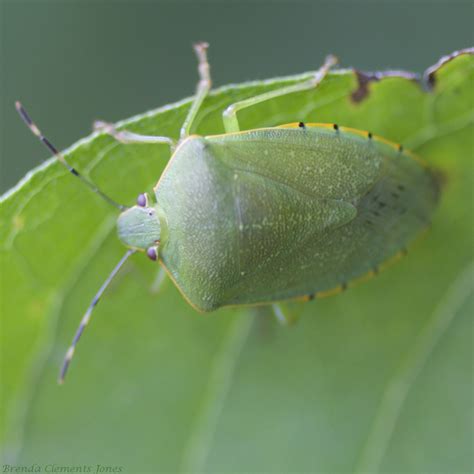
<point>271,214</point>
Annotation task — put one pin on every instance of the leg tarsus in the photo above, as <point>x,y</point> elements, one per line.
<point>229,116</point>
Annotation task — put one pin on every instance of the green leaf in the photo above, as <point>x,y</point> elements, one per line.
<point>376,379</point>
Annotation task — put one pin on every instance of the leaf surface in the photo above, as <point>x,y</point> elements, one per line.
<point>378,378</point>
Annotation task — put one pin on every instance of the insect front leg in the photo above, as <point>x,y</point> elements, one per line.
<point>203,88</point>
<point>127,137</point>
<point>229,116</point>
<point>159,281</point>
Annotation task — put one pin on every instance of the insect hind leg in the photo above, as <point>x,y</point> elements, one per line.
<point>229,116</point>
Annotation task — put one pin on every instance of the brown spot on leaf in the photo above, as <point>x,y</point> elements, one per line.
<point>365,78</point>
<point>363,88</point>
<point>429,76</point>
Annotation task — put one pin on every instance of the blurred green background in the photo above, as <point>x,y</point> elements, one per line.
<point>73,62</point>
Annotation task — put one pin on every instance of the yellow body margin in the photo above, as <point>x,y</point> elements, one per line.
<point>361,133</point>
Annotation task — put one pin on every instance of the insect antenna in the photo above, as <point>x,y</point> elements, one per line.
<point>87,316</point>
<point>36,131</point>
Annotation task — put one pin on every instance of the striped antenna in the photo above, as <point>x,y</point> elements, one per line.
<point>36,131</point>
<point>86,318</point>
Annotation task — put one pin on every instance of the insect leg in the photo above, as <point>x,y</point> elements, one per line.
<point>229,116</point>
<point>87,316</point>
<point>285,314</point>
<point>126,137</point>
<point>203,88</point>
<point>159,280</point>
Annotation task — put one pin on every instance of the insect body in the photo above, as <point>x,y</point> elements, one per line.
<point>271,214</point>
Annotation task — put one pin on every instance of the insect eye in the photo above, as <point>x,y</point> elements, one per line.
<point>141,200</point>
<point>151,253</point>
